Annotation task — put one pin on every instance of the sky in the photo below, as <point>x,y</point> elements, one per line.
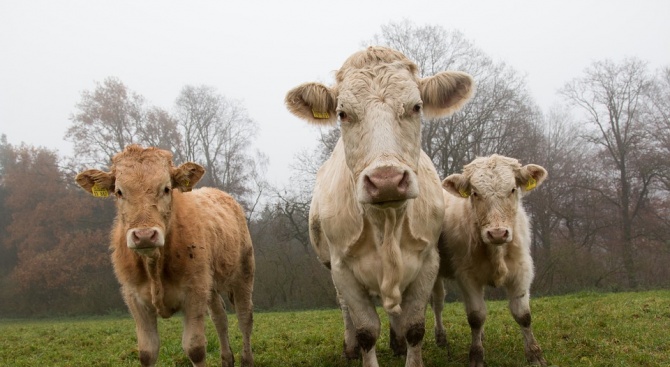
<point>255,51</point>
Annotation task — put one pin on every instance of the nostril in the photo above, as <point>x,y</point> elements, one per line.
<point>404,182</point>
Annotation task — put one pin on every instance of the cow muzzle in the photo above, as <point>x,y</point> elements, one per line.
<point>387,186</point>
<point>497,235</point>
<point>145,239</point>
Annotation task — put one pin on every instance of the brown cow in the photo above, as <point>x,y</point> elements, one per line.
<point>176,250</point>
<point>486,241</point>
<point>376,213</point>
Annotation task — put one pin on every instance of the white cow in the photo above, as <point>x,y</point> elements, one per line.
<point>486,241</point>
<point>377,207</point>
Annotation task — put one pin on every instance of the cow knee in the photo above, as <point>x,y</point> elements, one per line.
<point>366,339</point>
<point>415,334</point>
<point>397,343</point>
<point>197,354</point>
<point>523,320</point>
<point>476,320</point>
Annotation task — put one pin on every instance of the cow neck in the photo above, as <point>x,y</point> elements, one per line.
<point>496,256</point>
<point>153,265</point>
<point>390,223</point>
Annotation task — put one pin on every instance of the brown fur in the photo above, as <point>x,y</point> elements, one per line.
<point>207,250</point>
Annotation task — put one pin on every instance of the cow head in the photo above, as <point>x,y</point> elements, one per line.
<point>142,180</point>
<point>378,100</point>
<point>494,185</point>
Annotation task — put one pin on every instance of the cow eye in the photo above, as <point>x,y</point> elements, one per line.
<point>417,108</point>
<point>166,191</point>
<point>513,190</point>
<point>342,115</point>
<point>118,193</point>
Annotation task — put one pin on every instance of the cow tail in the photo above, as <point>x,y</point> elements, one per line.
<point>392,267</point>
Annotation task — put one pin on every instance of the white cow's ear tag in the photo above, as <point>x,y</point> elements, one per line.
<point>99,192</point>
<point>531,184</point>
<point>464,193</point>
<point>320,115</point>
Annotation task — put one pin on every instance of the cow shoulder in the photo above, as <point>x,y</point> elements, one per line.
<point>335,205</point>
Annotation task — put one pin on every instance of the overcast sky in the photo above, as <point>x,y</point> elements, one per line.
<point>252,51</point>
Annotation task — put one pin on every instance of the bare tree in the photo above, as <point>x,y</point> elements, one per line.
<point>500,117</point>
<point>112,117</point>
<point>218,132</point>
<point>611,96</point>
<point>107,120</point>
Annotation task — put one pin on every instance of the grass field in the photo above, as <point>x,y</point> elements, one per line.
<point>585,329</point>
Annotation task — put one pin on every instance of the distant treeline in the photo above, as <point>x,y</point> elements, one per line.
<point>600,221</point>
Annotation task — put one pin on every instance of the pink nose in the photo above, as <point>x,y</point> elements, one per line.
<point>498,235</point>
<point>146,236</point>
<point>387,184</point>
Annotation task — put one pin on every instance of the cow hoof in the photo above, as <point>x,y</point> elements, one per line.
<point>441,339</point>
<point>476,356</point>
<point>351,353</point>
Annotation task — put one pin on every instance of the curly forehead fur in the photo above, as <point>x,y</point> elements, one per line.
<point>492,174</point>
<point>373,57</point>
<point>135,156</point>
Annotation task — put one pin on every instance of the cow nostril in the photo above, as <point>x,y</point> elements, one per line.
<point>404,182</point>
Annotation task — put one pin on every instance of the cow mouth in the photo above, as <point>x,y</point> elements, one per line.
<point>389,204</point>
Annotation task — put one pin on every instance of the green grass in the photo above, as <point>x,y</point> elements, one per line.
<point>585,329</point>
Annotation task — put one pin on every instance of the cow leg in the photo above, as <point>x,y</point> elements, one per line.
<point>437,303</point>
<point>193,339</point>
<point>519,305</point>
<point>413,314</point>
<point>218,313</point>
<point>361,309</point>
<point>146,328</point>
<point>351,348</point>
<point>245,317</point>
<point>397,337</point>
<point>475,308</point>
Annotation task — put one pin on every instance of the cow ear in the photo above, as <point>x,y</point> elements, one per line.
<point>445,93</point>
<point>313,102</point>
<point>457,185</point>
<point>97,183</point>
<point>186,176</point>
<point>530,176</point>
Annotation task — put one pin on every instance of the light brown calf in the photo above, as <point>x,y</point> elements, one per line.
<point>176,250</point>
<point>486,241</point>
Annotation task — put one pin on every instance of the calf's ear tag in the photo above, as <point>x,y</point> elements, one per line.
<point>320,115</point>
<point>99,192</point>
<point>186,183</point>
<point>464,193</point>
<point>531,184</point>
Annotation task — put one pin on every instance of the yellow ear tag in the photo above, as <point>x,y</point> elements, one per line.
<point>320,115</point>
<point>463,193</point>
<point>531,184</point>
<point>99,192</point>
<point>186,183</point>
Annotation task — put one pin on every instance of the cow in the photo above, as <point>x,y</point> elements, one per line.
<point>486,241</point>
<point>176,249</point>
<point>377,207</point>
